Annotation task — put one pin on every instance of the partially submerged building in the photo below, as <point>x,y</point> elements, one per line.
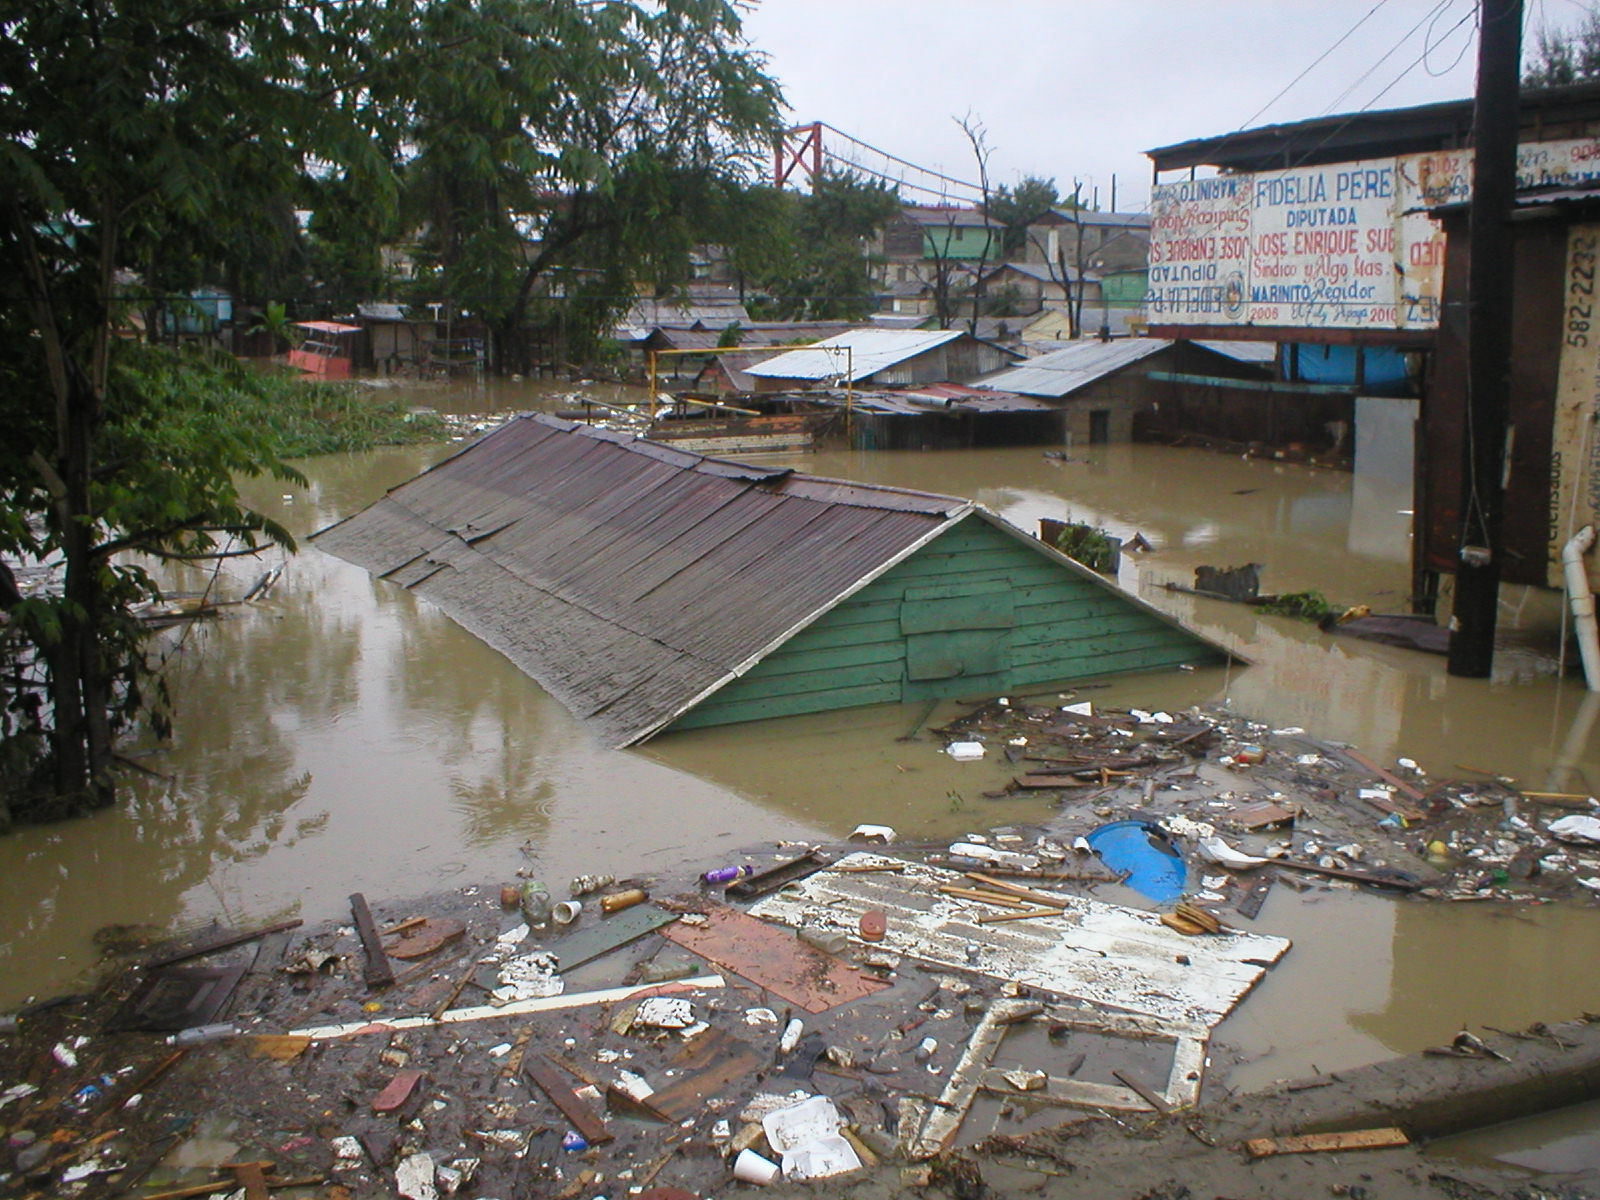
<point>652,589</point>
<point>883,358</point>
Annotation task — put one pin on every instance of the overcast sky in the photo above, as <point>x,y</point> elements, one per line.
<point>1081,88</point>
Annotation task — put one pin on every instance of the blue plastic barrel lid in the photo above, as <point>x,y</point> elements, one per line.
<point>1155,868</point>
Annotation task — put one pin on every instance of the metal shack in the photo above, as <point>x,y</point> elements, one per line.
<point>649,588</point>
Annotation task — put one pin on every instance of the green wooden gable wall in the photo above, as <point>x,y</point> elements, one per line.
<point>974,612</point>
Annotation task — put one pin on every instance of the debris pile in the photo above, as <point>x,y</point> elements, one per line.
<point>800,1013</point>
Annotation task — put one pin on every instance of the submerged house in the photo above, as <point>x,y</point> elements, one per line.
<point>649,588</point>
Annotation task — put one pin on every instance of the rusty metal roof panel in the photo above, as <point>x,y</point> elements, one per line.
<point>627,577</point>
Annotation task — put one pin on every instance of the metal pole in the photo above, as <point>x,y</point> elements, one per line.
<point>1489,280</point>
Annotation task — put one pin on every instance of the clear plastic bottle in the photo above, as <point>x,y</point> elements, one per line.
<point>197,1034</point>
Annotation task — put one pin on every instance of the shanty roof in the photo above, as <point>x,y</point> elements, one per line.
<point>379,310</point>
<point>943,397</point>
<point>1245,352</point>
<point>646,315</point>
<point>629,578</point>
<point>941,215</point>
<point>863,352</point>
<point>327,326</point>
<point>1345,137</point>
<point>1078,364</point>
<point>1043,272</point>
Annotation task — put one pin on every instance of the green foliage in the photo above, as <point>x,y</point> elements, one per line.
<point>1017,208</point>
<point>817,267</point>
<point>1090,546</point>
<point>1307,606</point>
<point>1566,57</point>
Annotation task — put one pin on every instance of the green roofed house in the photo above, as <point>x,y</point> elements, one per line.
<point>652,589</point>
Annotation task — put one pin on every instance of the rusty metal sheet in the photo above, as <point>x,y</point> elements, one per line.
<point>423,939</point>
<point>771,957</point>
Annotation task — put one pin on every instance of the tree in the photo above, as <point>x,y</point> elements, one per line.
<point>1566,57</point>
<point>560,146</point>
<point>812,259</point>
<point>135,140</point>
<point>1019,207</point>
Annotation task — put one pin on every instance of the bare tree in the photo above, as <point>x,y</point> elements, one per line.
<point>978,139</point>
<point>1066,271</point>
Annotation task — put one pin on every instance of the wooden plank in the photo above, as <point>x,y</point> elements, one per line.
<point>222,942</point>
<point>714,1061</point>
<point>379,972</point>
<point>963,653</point>
<point>1393,780</point>
<point>1146,1093</point>
<point>589,1124</point>
<point>959,606</point>
<point>1383,1138</point>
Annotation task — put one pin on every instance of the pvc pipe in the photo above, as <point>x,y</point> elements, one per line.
<point>1581,601</point>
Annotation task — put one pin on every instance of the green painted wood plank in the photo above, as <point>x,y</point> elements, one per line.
<point>830,658</point>
<point>956,653</point>
<point>825,634</point>
<point>961,606</point>
<point>949,689</point>
<point>833,679</point>
<point>1073,629</point>
<point>758,709</point>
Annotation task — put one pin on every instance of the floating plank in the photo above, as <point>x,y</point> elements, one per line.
<point>224,941</point>
<point>1384,1138</point>
<point>1103,953</point>
<point>379,973</point>
<point>775,959</point>
<point>541,1071</point>
<point>517,1008</point>
<point>177,998</point>
<point>775,877</point>
<point>592,941</point>
<point>713,1061</point>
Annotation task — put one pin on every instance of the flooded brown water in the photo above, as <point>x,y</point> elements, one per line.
<point>342,736</point>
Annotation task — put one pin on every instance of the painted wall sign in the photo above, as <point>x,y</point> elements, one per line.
<point>1338,246</point>
<point>1574,438</point>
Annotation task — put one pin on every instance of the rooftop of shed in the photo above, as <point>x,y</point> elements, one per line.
<point>1075,365</point>
<point>859,352</point>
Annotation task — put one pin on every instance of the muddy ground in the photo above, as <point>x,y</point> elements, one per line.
<point>95,1113</point>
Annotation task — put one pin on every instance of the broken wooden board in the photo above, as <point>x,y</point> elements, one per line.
<point>709,1064</point>
<point>976,1072</point>
<point>773,958</point>
<point>589,943</point>
<point>1106,954</point>
<point>423,938</point>
<point>541,1071</point>
<point>1317,1143</point>
<point>379,972</point>
<point>178,998</point>
<point>1266,815</point>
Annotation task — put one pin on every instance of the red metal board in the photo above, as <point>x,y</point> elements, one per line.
<point>772,957</point>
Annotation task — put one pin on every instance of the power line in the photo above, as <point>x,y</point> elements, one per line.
<point>1404,38</point>
<point>1315,63</point>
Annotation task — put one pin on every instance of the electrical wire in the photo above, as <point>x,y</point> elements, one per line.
<point>1404,38</point>
<point>1251,119</point>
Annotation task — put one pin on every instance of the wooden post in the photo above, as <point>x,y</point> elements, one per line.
<point>1489,280</point>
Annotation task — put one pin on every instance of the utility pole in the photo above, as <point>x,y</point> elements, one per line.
<point>1488,401</point>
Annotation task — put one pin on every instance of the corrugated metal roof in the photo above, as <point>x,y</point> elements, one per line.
<point>869,351</point>
<point>327,326</point>
<point>942,397</point>
<point>1245,352</point>
<point>629,578</point>
<point>1078,364</point>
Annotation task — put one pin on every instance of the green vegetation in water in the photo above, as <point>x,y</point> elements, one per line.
<point>1088,545</point>
<point>301,417</point>
<point>1307,606</point>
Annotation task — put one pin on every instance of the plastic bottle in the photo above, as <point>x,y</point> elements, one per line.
<point>197,1034</point>
<point>584,884</point>
<point>727,874</point>
<point>536,903</point>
